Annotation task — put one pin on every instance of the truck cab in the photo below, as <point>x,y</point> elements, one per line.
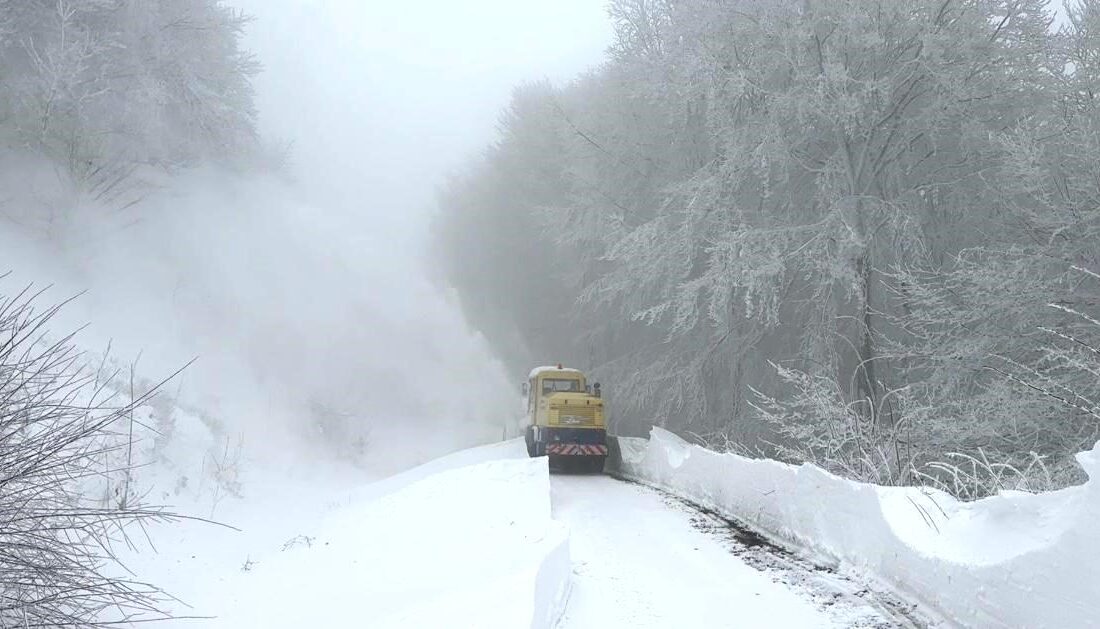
<point>565,417</point>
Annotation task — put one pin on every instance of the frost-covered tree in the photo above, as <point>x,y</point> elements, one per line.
<point>842,132</point>
<point>883,200</point>
<point>94,83</point>
<point>979,325</point>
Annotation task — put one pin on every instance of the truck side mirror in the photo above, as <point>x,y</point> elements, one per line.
<point>596,389</point>
<point>523,388</point>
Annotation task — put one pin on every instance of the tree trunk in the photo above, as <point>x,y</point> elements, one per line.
<point>865,376</point>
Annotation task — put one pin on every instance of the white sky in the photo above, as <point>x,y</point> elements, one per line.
<point>382,99</point>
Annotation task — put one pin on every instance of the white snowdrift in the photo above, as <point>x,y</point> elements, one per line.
<point>469,547</point>
<point>466,540</point>
<point>545,368</point>
<point>1013,560</point>
<point>503,450</point>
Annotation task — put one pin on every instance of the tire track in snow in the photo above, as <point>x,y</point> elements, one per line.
<point>850,602</point>
<point>638,563</point>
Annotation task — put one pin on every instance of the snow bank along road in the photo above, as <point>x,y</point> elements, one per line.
<point>586,551</point>
<point>486,538</point>
<point>641,558</point>
<point>1014,560</point>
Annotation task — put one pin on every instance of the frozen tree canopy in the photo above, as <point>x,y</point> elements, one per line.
<point>859,233</point>
<point>94,82</point>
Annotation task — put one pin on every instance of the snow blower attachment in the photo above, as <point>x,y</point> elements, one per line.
<point>565,419</point>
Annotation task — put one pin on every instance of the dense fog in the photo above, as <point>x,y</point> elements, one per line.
<point>834,263</point>
<point>294,268</point>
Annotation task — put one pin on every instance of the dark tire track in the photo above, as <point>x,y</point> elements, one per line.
<point>846,598</point>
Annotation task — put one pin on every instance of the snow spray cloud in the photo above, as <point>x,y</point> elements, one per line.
<point>288,309</point>
<point>313,295</point>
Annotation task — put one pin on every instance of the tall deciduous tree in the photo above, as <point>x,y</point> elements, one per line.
<point>95,82</point>
<point>886,201</point>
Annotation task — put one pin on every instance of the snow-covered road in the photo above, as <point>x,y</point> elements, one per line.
<point>487,538</point>
<point>641,560</point>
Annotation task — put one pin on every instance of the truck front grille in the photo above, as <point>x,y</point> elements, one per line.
<point>577,415</point>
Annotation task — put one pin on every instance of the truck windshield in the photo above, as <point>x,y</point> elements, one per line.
<point>555,385</point>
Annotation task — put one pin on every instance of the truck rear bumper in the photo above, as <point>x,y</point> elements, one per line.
<point>561,441</point>
<point>576,449</point>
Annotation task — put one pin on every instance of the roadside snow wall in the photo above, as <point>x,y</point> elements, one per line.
<point>1012,560</point>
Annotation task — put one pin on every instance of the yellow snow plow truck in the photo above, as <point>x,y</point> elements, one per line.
<point>565,419</point>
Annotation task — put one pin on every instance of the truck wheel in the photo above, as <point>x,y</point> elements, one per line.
<point>529,439</point>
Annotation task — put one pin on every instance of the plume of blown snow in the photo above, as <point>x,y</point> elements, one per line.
<point>302,320</point>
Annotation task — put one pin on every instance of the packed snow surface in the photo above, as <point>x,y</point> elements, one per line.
<point>1012,560</point>
<point>638,563</point>
<point>463,541</point>
<point>461,548</point>
<point>479,538</point>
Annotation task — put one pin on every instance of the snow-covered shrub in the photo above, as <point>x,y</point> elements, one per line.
<point>868,439</point>
<point>222,466</point>
<point>1040,402</point>
<point>897,439</point>
<point>57,427</point>
<point>974,476</point>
